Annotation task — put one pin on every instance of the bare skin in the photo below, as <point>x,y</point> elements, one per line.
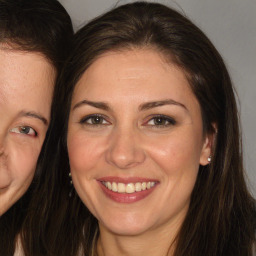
<point>134,118</point>
<point>26,88</point>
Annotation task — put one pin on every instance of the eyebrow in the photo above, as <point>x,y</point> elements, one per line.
<point>154,104</point>
<point>34,115</point>
<point>100,105</point>
<point>144,106</point>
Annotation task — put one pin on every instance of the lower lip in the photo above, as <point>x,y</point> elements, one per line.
<point>126,197</point>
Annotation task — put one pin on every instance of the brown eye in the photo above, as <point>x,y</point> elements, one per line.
<point>161,121</point>
<point>94,120</point>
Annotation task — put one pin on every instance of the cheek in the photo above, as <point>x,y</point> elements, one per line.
<point>177,153</point>
<point>23,163</point>
<point>20,164</point>
<point>84,153</point>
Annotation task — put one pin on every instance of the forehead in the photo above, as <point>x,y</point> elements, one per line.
<point>25,78</point>
<point>131,73</point>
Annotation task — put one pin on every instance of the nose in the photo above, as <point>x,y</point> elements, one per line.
<point>1,145</point>
<point>124,150</point>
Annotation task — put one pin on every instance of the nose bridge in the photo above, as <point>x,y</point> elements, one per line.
<point>125,150</point>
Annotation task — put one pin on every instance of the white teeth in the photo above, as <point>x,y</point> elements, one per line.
<point>114,187</point>
<point>128,188</point>
<point>109,186</point>
<point>138,187</point>
<point>120,187</point>
<point>143,186</point>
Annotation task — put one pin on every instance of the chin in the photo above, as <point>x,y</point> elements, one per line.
<point>126,225</point>
<point>127,231</point>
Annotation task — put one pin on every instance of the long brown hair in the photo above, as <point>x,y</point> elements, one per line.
<point>41,26</point>
<point>221,217</point>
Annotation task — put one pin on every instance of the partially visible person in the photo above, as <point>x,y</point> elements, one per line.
<point>35,39</point>
<point>146,129</point>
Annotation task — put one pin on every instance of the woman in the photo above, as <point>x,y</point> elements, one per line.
<point>148,134</point>
<point>35,38</point>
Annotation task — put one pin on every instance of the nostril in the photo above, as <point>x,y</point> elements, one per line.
<point>124,150</point>
<point>2,145</point>
<point>1,150</point>
<point>125,158</point>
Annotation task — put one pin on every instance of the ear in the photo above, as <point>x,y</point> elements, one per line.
<point>208,146</point>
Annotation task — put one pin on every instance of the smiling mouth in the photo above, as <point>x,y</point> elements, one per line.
<point>129,188</point>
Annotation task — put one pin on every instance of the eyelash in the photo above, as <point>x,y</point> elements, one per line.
<point>85,120</point>
<point>23,129</point>
<point>168,121</point>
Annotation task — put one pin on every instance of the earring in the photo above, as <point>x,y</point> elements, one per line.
<point>209,159</point>
<point>71,183</point>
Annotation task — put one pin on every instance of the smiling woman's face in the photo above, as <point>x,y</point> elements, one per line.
<point>26,87</point>
<point>135,142</point>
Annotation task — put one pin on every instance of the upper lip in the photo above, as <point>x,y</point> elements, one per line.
<point>126,180</point>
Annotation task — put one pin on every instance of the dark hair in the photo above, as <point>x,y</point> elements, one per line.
<point>41,26</point>
<point>221,217</point>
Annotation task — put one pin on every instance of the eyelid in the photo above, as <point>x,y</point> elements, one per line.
<point>18,129</point>
<point>169,119</point>
<point>87,117</point>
